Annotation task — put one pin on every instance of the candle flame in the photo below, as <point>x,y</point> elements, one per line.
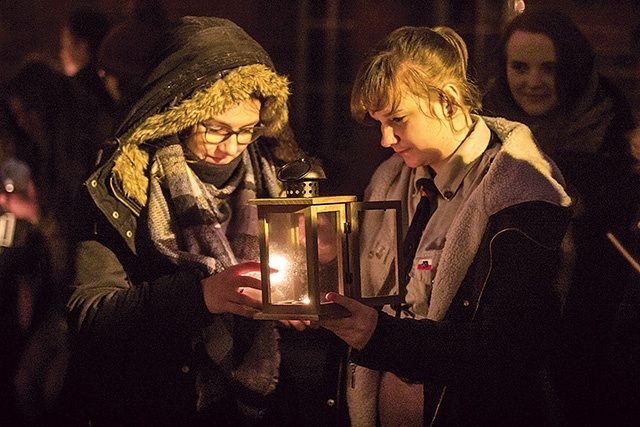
<point>284,273</point>
<point>281,265</point>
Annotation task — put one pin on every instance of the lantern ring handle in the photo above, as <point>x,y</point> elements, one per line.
<point>301,169</point>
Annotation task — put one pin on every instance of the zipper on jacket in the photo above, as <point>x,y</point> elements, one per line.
<point>134,207</point>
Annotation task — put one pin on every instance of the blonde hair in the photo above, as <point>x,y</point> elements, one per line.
<point>419,61</point>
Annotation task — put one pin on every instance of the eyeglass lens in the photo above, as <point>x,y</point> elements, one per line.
<point>244,136</point>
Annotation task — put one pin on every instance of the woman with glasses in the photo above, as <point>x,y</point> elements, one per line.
<point>160,309</point>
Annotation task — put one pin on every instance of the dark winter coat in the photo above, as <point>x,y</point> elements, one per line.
<point>485,351</point>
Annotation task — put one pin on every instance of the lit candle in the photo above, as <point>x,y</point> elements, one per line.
<point>284,280</point>
<point>280,265</point>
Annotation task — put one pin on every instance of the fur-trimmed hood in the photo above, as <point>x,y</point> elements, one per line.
<point>207,65</point>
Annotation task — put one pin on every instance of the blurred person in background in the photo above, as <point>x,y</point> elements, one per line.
<point>34,352</point>
<point>80,39</point>
<point>55,128</point>
<point>124,57</point>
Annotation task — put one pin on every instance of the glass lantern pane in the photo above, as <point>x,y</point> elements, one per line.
<point>287,255</point>
<point>329,253</point>
<point>372,286</point>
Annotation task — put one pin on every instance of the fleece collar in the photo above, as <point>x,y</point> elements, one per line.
<point>519,173</point>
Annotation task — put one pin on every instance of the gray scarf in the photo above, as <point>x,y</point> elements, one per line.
<point>197,225</point>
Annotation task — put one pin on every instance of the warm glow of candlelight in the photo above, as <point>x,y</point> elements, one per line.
<point>285,273</point>
<point>281,265</point>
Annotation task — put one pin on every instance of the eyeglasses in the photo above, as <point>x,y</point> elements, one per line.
<point>217,134</point>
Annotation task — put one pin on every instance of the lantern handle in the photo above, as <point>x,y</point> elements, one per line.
<point>301,169</point>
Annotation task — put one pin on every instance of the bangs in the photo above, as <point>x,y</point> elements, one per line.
<point>376,88</point>
<point>385,82</point>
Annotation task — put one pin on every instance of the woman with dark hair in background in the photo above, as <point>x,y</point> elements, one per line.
<point>546,77</point>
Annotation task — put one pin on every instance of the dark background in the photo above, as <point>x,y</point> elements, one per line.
<point>319,44</point>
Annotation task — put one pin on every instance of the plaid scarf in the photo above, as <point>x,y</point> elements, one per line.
<point>196,225</point>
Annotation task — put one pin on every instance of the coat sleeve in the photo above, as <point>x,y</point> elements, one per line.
<point>515,324</point>
<point>103,300</point>
<point>106,304</point>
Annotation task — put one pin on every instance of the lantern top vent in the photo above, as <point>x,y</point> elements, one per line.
<point>301,178</point>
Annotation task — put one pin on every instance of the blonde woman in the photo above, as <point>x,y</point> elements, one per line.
<point>474,340</point>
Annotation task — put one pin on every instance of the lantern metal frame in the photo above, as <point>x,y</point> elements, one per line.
<point>347,228</point>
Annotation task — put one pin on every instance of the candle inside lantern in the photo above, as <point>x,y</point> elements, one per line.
<point>284,289</point>
<point>279,264</point>
<point>311,242</point>
<point>287,255</point>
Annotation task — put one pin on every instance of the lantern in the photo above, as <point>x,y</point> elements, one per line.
<point>309,245</point>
